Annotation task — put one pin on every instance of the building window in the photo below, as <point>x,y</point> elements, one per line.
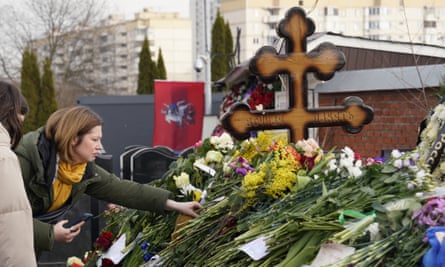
<point>429,24</point>
<point>374,11</point>
<point>374,24</point>
<point>330,11</point>
<point>142,31</point>
<point>271,39</point>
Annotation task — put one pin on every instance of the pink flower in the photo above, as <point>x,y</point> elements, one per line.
<point>198,144</point>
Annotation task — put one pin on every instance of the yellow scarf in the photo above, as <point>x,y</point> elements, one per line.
<point>67,175</point>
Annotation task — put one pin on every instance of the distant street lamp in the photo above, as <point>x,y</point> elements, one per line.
<point>203,63</point>
<point>203,59</point>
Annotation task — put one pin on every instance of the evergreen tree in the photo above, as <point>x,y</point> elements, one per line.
<point>154,74</point>
<point>160,66</point>
<point>228,42</point>
<point>29,86</point>
<point>218,63</point>
<point>47,96</point>
<point>146,70</point>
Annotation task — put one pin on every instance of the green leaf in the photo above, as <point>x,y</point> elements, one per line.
<point>302,181</point>
<point>392,179</point>
<point>389,169</point>
<point>368,190</point>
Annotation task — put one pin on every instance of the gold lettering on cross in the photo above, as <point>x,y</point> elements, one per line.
<point>436,151</point>
<point>323,61</point>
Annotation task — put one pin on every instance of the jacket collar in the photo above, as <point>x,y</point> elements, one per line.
<point>48,153</point>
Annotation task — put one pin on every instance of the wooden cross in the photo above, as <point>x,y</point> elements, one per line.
<point>239,121</point>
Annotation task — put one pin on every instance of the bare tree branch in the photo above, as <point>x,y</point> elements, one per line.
<point>56,27</point>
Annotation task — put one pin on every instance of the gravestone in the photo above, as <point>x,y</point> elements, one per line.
<point>323,61</point>
<point>125,160</point>
<point>149,164</point>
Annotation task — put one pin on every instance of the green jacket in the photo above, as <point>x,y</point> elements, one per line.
<point>37,157</point>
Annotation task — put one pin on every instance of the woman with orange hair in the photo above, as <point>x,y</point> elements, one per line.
<point>57,163</point>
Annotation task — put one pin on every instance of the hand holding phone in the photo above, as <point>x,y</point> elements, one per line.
<point>83,217</point>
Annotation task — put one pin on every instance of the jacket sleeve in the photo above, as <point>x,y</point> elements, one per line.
<point>110,188</point>
<point>43,236</point>
<point>16,229</point>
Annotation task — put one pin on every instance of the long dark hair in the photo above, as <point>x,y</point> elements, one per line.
<point>12,103</point>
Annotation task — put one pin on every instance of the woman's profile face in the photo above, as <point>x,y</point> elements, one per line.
<point>90,146</point>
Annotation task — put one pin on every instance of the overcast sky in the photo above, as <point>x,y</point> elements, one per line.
<point>132,6</point>
<point>116,7</point>
<point>129,7</point>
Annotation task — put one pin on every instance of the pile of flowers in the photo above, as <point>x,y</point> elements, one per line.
<point>255,93</point>
<point>433,130</point>
<point>268,202</point>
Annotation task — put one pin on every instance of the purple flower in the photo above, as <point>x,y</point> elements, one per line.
<point>241,171</point>
<point>432,213</point>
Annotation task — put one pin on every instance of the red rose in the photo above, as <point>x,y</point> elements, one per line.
<point>104,241</point>
<point>108,263</point>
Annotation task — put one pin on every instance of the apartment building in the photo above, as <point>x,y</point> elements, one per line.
<point>392,20</point>
<point>113,47</point>
<point>106,56</point>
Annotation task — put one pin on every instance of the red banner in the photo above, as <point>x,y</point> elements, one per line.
<point>179,112</point>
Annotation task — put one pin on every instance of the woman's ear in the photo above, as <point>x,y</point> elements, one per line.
<point>74,141</point>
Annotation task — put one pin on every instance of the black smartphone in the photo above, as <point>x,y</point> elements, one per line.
<point>83,217</point>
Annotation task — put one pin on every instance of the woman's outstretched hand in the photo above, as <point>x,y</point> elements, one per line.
<point>188,208</point>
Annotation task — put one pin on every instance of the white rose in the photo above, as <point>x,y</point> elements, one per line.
<point>433,131</point>
<point>396,153</point>
<point>213,156</point>
<point>182,180</point>
<point>442,167</point>
<point>348,151</point>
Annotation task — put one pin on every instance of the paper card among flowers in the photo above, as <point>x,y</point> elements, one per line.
<point>204,168</point>
<point>256,249</point>
<point>331,253</point>
<point>118,250</point>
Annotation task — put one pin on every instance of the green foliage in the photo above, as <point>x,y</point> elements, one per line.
<point>229,46</point>
<point>218,64</point>
<point>47,97</point>
<point>162,72</point>
<point>147,70</point>
<point>29,86</point>
<point>154,74</point>
<point>441,92</point>
<point>222,48</point>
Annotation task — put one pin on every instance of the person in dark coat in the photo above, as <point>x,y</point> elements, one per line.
<point>57,162</point>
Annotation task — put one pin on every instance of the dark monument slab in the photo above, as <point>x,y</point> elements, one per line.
<point>149,164</point>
